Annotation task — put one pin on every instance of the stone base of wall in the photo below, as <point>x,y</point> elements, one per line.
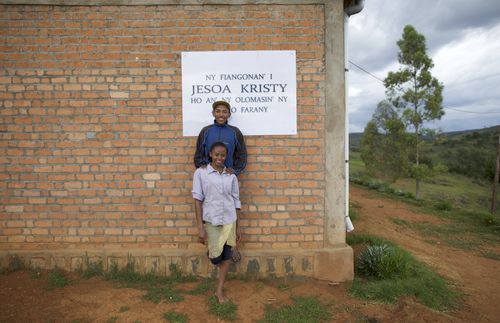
<point>335,264</point>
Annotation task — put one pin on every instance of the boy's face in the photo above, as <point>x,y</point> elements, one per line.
<point>218,155</point>
<point>221,113</point>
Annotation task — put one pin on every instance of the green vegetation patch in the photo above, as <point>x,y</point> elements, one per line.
<point>387,273</point>
<point>129,277</point>
<point>382,261</point>
<point>353,211</point>
<point>158,288</point>
<point>174,317</point>
<point>225,311</point>
<point>467,230</point>
<point>206,285</point>
<point>15,263</point>
<point>303,310</point>
<point>451,197</point>
<point>491,255</point>
<point>168,294</point>
<point>35,273</point>
<point>124,309</point>
<point>57,279</point>
<point>93,269</point>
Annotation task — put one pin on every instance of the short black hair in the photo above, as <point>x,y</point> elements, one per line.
<point>218,144</point>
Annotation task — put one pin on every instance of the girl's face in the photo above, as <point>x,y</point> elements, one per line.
<point>218,155</point>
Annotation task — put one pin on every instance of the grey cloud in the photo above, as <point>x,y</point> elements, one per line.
<point>439,21</point>
<point>372,44</point>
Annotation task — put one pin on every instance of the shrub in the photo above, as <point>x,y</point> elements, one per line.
<point>383,262</point>
<point>443,205</point>
<point>397,274</point>
<point>57,279</point>
<point>15,263</point>
<point>489,220</point>
<point>93,269</point>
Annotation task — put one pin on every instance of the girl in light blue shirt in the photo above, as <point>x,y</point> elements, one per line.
<point>216,195</point>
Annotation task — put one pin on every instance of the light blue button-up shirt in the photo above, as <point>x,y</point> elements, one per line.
<point>219,193</point>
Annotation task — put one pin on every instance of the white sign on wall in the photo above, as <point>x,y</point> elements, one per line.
<point>259,85</point>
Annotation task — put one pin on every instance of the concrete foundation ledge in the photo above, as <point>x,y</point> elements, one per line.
<point>334,264</point>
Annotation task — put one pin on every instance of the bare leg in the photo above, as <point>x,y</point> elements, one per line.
<point>219,293</point>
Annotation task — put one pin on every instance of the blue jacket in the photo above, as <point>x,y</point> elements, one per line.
<point>231,136</point>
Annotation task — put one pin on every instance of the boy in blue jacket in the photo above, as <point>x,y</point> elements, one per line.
<point>221,131</point>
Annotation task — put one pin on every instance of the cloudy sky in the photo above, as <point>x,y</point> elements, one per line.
<point>463,39</point>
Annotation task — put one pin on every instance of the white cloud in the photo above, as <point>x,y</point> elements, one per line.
<point>354,91</point>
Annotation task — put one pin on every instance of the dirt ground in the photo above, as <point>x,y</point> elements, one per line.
<point>25,299</point>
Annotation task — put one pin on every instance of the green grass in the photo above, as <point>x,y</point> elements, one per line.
<point>158,288</point>
<point>174,317</point>
<point>124,309</point>
<point>128,277</point>
<point>463,202</point>
<point>448,191</point>
<point>15,263</point>
<point>112,319</point>
<point>354,239</point>
<point>303,310</point>
<point>93,269</point>
<point>35,273</point>
<point>451,190</point>
<point>225,311</point>
<point>83,320</point>
<point>491,255</point>
<point>353,212</point>
<point>57,279</point>
<point>382,261</point>
<point>284,287</point>
<point>167,294</point>
<point>418,280</point>
<point>400,222</point>
<point>356,165</point>
<point>462,230</point>
<point>203,287</point>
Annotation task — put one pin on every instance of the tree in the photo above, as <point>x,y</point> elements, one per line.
<point>414,91</point>
<point>384,142</point>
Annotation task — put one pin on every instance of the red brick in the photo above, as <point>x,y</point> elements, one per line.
<point>99,121</point>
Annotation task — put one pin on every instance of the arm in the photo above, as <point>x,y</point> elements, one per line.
<point>198,196</point>
<point>199,154</point>
<point>240,153</point>
<point>198,209</point>
<point>235,193</point>
<point>238,230</point>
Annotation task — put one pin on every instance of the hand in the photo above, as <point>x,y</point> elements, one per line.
<point>202,236</point>
<point>238,234</point>
<point>229,170</point>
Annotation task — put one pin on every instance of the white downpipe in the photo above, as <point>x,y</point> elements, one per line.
<point>348,223</point>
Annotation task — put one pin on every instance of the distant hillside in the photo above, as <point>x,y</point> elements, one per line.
<point>355,137</point>
<point>460,134</point>
<point>469,152</point>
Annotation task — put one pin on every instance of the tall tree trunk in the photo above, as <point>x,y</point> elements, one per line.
<point>417,134</point>
<point>495,180</point>
<point>417,162</point>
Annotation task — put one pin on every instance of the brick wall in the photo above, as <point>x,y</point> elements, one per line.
<point>91,149</point>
